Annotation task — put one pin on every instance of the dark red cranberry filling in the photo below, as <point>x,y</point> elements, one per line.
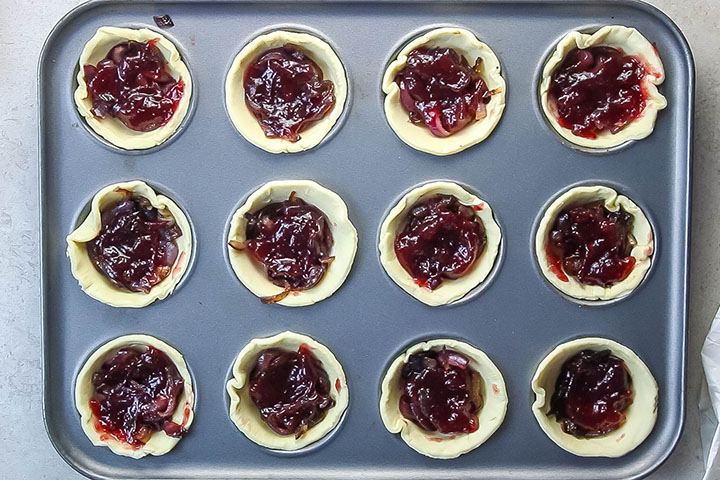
<point>440,392</point>
<point>136,247</point>
<point>133,84</point>
<point>290,389</point>
<point>292,240</point>
<point>136,394</point>
<point>597,89</point>
<point>441,239</point>
<point>439,89</point>
<point>285,90</point>
<point>592,392</point>
<point>163,21</point>
<point>592,244</point>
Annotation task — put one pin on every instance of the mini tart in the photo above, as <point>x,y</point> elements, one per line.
<point>630,42</point>
<point>640,415</point>
<point>97,285</point>
<point>160,443</point>
<point>244,120</point>
<point>434,444</point>
<point>251,273</point>
<point>641,230</point>
<point>245,414</point>
<point>419,136</point>
<point>450,290</point>
<point>112,129</point>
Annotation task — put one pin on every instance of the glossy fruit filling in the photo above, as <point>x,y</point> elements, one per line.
<point>442,238</point>
<point>440,90</point>
<point>597,89</point>
<point>440,392</point>
<point>592,244</point>
<point>133,84</point>
<point>135,394</point>
<point>136,247</point>
<point>292,240</point>
<point>290,389</point>
<point>285,90</point>
<point>592,392</point>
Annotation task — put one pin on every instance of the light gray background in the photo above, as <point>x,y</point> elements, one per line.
<point>25,451</point>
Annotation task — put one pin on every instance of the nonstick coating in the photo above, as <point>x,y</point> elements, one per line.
<point>208,168</point>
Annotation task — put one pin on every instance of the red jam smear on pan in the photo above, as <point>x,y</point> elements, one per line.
<point>440,90</point>
<point>290,389</point>
<point>440,392</point>
<point>136,247</point>
<point>441,239</point>
<point>292,240</point>
<point>285,90</point>
<point>592,392</point>
<point>133,84</point>
<point>136,394</point>
<point>592,244</point>
<point>597,89</point>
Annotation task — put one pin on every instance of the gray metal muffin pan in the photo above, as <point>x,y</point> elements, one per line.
<point>209,167</point>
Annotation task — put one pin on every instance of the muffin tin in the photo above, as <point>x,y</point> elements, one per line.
<point>208,169</point>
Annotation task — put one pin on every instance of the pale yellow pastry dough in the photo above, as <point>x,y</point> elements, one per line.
<point>631,42</point>
<point>641,230</point>
<point>244,120</point>
<point>160,443</point>
<point>434,444</point>
<point>641,414</point>
<point>450,290</point>
<point>418,136</point>
<point>112,129</point>
<point>245,414</point>
<point>251,273</point>
<point>95,283</point>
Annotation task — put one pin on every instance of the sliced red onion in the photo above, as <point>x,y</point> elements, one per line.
<point>435,125</point>
<point>455,359</point>
<point>276,298</point>
<point>172,429</point>
<point>476,389</point>
<point>89,71</point>
<point>237,245</point>
<point>405,98</point>
<point>481,111</point>
<point>585,59</point>
<point>327,260</point>
<point>118,52</point>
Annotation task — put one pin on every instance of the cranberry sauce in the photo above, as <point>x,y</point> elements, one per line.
<point>136,394</point>
<point>592,244</point>
<point>136,247</point>
<point>133,84</point>
<point>440,392</point>
<point>440,89</point>
<point>441,239</point>
<point>292,239</point>
<point>285,90</point>
<point>597,89</point>
<point>290,389</point>
<point>592,392</point>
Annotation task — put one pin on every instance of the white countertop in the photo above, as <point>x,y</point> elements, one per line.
<point>26,452</point>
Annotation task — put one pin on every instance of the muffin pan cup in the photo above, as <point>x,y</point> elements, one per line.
<point>516,320</point>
